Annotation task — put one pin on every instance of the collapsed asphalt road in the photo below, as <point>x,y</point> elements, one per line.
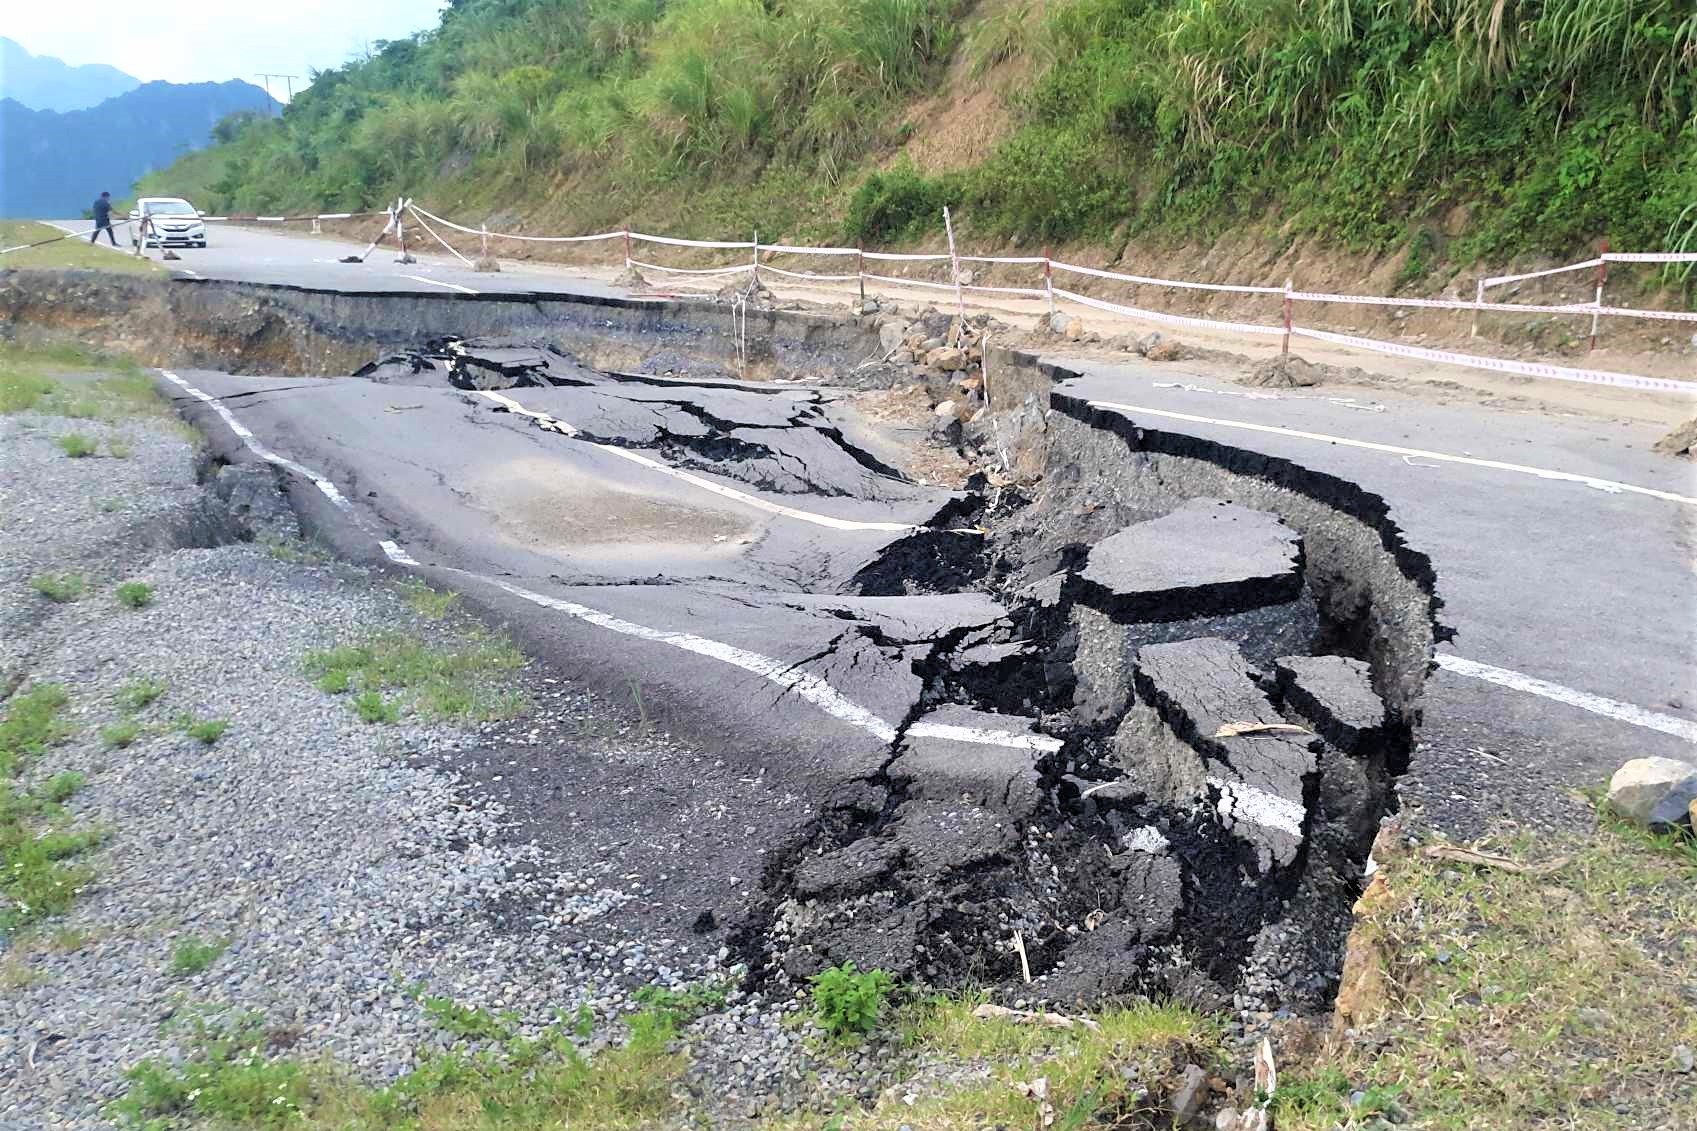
<point>1137,743</point>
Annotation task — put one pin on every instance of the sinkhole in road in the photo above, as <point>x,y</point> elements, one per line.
<point>1157,769</point>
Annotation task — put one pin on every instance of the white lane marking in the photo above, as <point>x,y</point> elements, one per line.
<point>1542,473</point>
<point>1041,743</point>
<point>554,424</point>
<point>440,283</point>
<point>1240,802</point>
<point>1584,700</point>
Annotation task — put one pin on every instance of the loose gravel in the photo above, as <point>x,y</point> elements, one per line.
<point>347,866</point>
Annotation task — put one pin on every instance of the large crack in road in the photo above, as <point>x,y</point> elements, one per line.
<point>1139,742</point>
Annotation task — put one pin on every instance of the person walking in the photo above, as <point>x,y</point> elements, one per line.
<point>103,220</point>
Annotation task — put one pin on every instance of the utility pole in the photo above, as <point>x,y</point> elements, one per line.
<point>289,85</point>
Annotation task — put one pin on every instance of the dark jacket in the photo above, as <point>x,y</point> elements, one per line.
<point>102,211</point>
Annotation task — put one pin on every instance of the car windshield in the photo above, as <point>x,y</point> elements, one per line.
<point>168,208</point>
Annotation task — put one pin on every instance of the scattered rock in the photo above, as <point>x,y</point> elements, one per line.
<point>1684,1061</point>
<point>1061,324</point>
<point>1654,791</point>
<point>1186,1103</point>
<point>630,277</point>
<point>948,410</point>
<point>1682,441</point>
<point>1167,350</point>
<point>1149,341</point>
<point>892,335</point>
<point>1286,372</point>
<point>487,265</point>
<point>945,431</point>
<point>1075,331</point>
<point>946,358</point>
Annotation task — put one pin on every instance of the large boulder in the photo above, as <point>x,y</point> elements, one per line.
<point>1654,791</point>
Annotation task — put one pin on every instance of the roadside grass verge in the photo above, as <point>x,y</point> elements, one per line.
<point>193,956</point>
<point>445,682</point>
<point>39,874</point>
<point>70,381</point>
<point>1516,999</point>
<point>73,252</point>
<point>510,1081</point>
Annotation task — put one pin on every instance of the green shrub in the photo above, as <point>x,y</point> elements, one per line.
<point>77,446</point>
<point>192,956</point>
<point>371,707</point>
<point>140,693</point>
<point>896,204</point>
<point>208,731</point>
<point>120,734</point>
<point>61,587</point>
<point>848,1002</point>
<point>135,594</point>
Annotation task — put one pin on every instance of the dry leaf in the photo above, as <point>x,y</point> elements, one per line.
<point>1234,730</point>
<point>988,1012</point>
<point>1490,860</point>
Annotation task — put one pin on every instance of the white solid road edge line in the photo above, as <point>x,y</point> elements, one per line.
<point>1608,485</point>
<point>440,283</point>
<point>554,424</point>
<point>1584,700</point>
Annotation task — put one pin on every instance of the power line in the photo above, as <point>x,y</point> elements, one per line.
<point>289,83</point>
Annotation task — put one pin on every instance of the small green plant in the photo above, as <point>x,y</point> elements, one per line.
<point>206,730</point>
<point>111,506</point>
<point>135,594</point>
<point>59,788</point>
<point>471,1022</point>
<point>140,693</point>
<point>432,604</point>
<point>121,733</point>
<point>371,707</point>
<point>76,445</point>
<point>335,681</point>
<point>118,449</point>
<point>37,878</point>
<point>61,587</point>
<point>681,1007</point>
<point>847,1001</point>
<point>193,956</point>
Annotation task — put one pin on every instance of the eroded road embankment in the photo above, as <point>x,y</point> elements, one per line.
<point>1129,728</point>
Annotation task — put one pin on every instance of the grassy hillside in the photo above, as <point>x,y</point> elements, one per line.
<point>1520,124</point>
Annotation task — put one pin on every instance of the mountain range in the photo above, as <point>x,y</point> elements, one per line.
<point>54,164</point>
<point>42,82</point>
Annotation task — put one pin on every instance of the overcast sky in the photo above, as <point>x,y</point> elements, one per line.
<point>214,40</point>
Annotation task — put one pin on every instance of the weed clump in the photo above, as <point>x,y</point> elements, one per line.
<point>848,1002</point>
<point>77,446</point>
<point>60,587</point>
<point>134,594</point>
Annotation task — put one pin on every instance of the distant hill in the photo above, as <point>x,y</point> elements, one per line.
<point>54,165</point>
<point>42,82</point>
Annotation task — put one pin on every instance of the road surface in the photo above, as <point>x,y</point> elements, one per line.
<point>1563,545</point>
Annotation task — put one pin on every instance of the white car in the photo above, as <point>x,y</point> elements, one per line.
<point>173,220</point>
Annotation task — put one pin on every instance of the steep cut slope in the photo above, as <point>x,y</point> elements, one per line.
<point>1456,128</point>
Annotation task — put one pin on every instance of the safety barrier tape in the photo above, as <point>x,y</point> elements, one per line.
<point>1651,256</point>
<point>1498,280</point>
<point>1174,319</point>
<point>908,257</point>
<point>439,239</point>
<point>1504,365</point>
<point>692,270</point>
<point>1145,280</point>
<point>790,249</point>
<point>806,275</point>
<point>528,239</point>
<point>675,242</point>
<point>893,281</point>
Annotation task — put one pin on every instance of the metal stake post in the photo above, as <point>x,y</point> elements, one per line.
<point>1602,277</point>
<point>627,249</point>
<point>755,275</point>
<point>1478,297</point>
<point>860,274</point>
<point>954,265</point>
<point>1049,281</point>
<point>1284,348</point>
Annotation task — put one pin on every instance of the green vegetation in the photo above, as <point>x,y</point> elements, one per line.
<point>1552,122</point>
<point>61,380</point>
<point>134,594</point>
<point>60,587</point>
<point>515,1083</point>
<point>1519,998</point>
<point>680,1007</point>
<point>140,693</point>
<point>431,604</point>
<point>77,446</point>
<point>37,875</point>
<point>74,252</point>
<point>457,682</point>
<point>193,956</point>
<point>847,1002</point>
<point>208,731</point>
<point>121,733</point>
<point>118,449</point>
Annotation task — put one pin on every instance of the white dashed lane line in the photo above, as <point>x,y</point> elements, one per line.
<point>440,283</point>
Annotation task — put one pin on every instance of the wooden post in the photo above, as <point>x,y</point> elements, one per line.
<point>1602,277</point>
<point>860,274</point>
<point>1284,348</point>
<point>627,249</point>
<point>1049,281</point>
<point>1478,296</point>
<point>484,237</point>
<point>954,266</point>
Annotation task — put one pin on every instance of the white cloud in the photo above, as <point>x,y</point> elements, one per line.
<point>214,40</point>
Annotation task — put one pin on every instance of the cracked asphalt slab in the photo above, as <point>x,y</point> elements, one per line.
<point>913,803</point>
